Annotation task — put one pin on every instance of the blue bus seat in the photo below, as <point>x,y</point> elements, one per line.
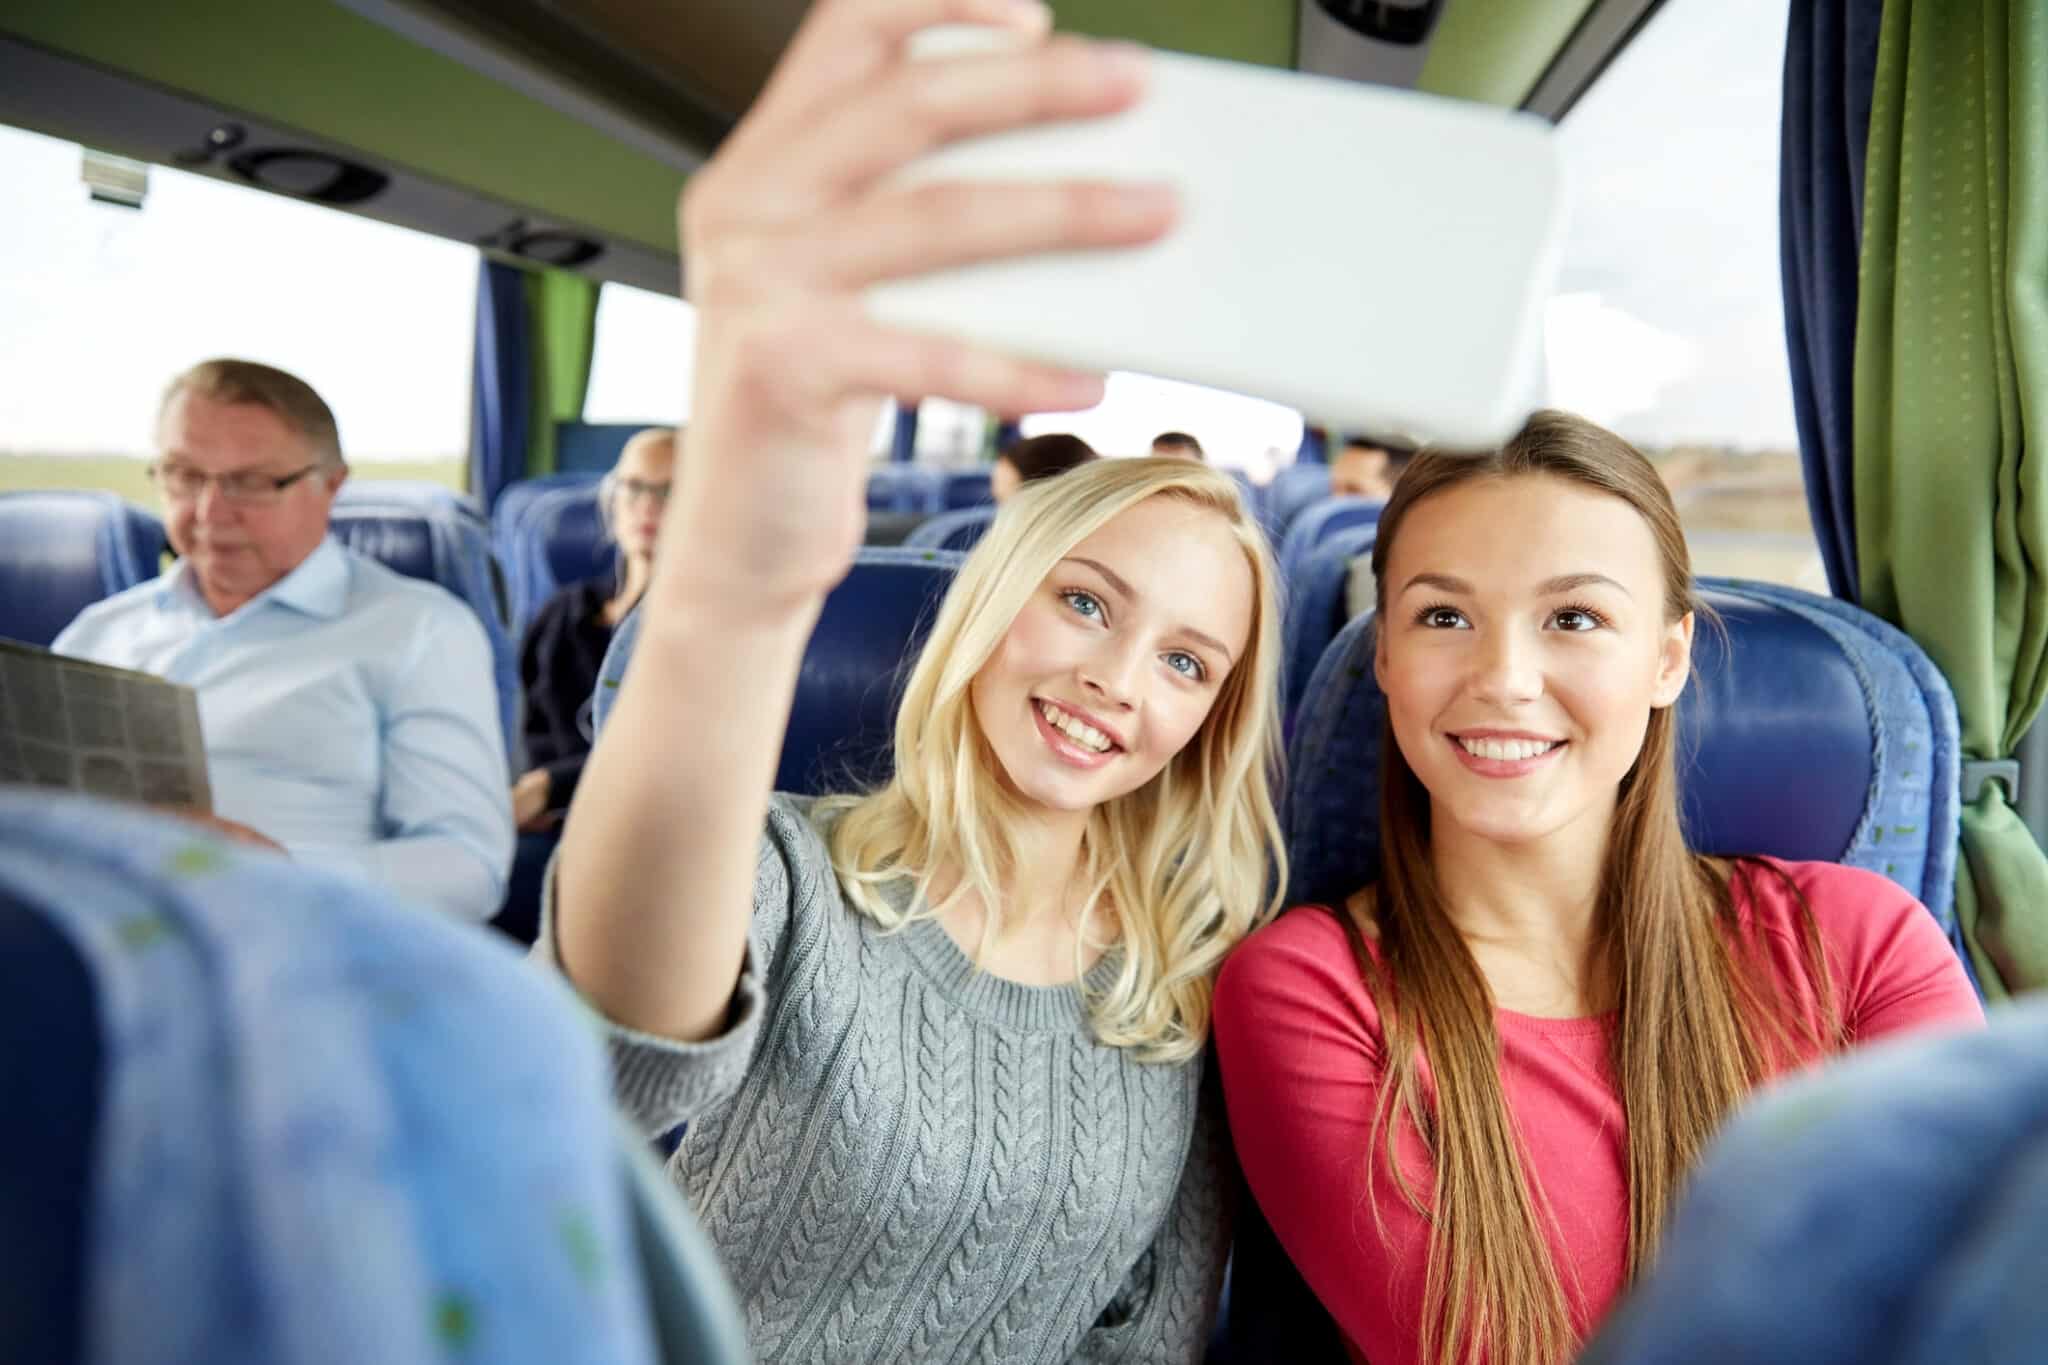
<point>592,448</point>
<point>843,719</point>
<point>1814,732</point>
<point>1891,1209</point>
<point>62,549</point>
<point>966,488</point>
<point>1291,490</point>
<point>554,538</point>
<point>421,494</point>
<point>452,552</point>
<point>1317,606</point>
<point>1316,523</point>
<point>905,488</point>
<point>265,1113</point>
<point>959,530</point>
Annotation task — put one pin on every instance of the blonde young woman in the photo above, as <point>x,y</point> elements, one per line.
<point>938,1047</point>
<point>1467,1098</point>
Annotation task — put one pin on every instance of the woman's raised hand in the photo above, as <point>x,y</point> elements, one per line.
<point>796,215</point>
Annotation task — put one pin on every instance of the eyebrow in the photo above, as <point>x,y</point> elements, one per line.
<point>1130,593</point>
<point>1570,582</point>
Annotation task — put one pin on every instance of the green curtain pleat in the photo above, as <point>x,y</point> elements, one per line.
<point>1951,377</point>
<point>562,318</point>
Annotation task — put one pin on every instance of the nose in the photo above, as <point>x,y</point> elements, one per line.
<point>210,505</point>
<point>1110,675</point>
<point>1508,670</point>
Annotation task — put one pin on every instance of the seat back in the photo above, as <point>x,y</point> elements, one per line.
<point>867,637</point>
<point>1316,523</point>
<point>548,533</point>
<point>961,530</point>
<point>1814,731</point>
<point>1317,608</point>
<point>267,1114</point>
<point>966,488</point>
<point>1291,490</point>
<point>453,552</point>
<point>905,488</point>
<point>62,549</point>
<point>416,493</point>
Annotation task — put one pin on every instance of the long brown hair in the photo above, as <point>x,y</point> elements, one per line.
<point>1699,1023</point>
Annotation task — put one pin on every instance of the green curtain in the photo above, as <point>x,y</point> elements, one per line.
<point>562,327</point>
<point>1951,380</point>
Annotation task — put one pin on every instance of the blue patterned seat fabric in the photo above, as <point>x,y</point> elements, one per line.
<point>842,721</point>
<point>62,549</point>
<point>454,552</point>
<point>317,1126</point>
<point>906,488</point>
<point>548,534</point>
<point>1315,524</point>
<point>960,530</point>
<point>1291,490</point>
<point>1316,606</point>
<point>1890,1210</point>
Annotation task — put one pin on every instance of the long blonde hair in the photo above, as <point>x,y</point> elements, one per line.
<point>1184,866</point>
<point>1700,1022</point>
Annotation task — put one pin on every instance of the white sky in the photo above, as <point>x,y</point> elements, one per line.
<point>1667,324</point>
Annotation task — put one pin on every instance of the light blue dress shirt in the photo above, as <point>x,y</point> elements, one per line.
<point>349,713</point>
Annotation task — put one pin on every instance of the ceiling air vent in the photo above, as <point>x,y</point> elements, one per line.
<point>319,176</point>
<point>1379,41</point>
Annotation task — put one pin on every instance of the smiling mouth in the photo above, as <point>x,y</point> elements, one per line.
<point>1083,735</point>
<point>1495,750</point>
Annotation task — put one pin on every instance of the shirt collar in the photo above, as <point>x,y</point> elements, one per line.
<point>317,588</point>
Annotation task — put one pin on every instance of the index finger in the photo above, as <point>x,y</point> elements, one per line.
<point>842,44</point>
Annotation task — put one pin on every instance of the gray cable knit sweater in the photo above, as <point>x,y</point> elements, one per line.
<point>901,1158</point>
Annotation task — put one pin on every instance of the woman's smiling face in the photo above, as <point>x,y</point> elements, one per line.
<point>1524,643</point>
<point>1113,664</point>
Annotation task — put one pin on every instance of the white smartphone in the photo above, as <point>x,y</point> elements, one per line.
<point>1376,258</point>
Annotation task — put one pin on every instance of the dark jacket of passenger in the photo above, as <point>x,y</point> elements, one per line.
<point>558,665</point>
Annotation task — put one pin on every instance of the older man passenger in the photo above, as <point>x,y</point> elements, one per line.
<point>350,713</point>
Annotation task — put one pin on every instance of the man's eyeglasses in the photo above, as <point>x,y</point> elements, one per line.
<point>245,489</point>
<point>630,489</point>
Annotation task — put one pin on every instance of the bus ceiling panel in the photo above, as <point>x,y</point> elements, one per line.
<point>637,86</point>
<point>1495,51</point>
<point>1608,27</point>
<point>60,96</point>
<point>315,66</point>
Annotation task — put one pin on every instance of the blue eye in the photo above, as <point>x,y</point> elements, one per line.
<point>1186,664</point>
<point>1083,604</point>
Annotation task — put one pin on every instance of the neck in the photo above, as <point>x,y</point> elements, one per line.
<point>639,570</point>
<point>1537,899</point>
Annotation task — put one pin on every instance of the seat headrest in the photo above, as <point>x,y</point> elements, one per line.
<point>1316,523</point>
<point>398,539</point>
<point>1814,731</point>
<point>61,550</point>
<point>968,488</point>
<point>860,654</point>
<point>959,530</point>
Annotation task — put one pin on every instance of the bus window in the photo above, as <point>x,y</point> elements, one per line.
<point>100,305</point>
<point>1669,323</point>
<point>640,362</point>
<point>1236,432</point>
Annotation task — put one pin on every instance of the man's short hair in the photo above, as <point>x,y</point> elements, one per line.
<point>1397,450</point>
<point>1041,457</point>
<point>289,398</point>
<point>1179,440</point>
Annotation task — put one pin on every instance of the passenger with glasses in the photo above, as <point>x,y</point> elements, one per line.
<point>350,714</point>
<point>559,662</point>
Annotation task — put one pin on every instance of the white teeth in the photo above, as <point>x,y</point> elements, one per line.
<point>1083,734</point>
<point>1508,750</point>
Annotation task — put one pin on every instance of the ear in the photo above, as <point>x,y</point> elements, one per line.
<point>1674,662</point>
